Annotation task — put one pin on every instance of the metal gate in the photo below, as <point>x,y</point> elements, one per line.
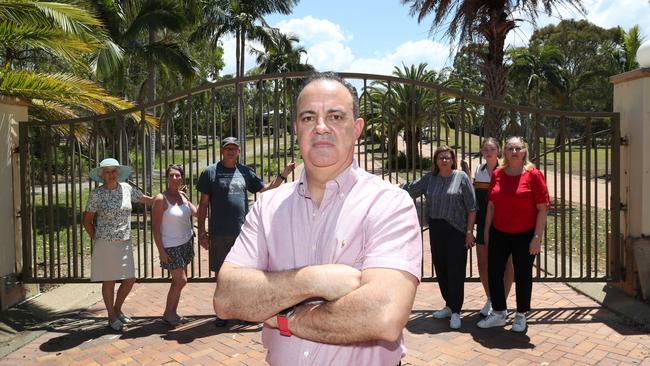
<point>405,120</point>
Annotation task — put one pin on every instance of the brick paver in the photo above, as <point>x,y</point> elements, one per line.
<point>579,332</point>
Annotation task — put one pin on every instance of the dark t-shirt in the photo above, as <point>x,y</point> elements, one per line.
<point>228,198</point>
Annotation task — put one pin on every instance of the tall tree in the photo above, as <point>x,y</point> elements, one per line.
<point>396,108</point>
<point>535,70</point>
<point>631,41</point>
<point>585,81</point>
<point>44,46</point>
<point>244,19</point>
<point>476,21</point>
<point>149,32</point>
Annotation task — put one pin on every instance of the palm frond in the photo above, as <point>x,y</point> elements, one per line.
<point>76,93</point>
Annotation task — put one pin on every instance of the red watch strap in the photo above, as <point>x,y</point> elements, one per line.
<point>283,326</point>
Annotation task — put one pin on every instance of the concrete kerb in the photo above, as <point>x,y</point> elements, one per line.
<point>636,312</point>
<point>29,320</point>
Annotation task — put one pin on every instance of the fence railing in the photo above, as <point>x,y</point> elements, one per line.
<point>405,121</point>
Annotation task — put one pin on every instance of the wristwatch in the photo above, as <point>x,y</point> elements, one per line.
<point>282,177</point>
<point>283,321</point>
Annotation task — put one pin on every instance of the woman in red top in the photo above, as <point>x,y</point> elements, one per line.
<point>514,224</point>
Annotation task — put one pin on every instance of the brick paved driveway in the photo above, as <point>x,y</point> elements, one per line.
<point>565,328</point>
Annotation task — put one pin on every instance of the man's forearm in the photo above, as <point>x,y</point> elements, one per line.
<point>202,213</point>
<point>376,311</point>
<point>254,295</point>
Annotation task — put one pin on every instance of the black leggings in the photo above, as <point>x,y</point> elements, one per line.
<point>500,247</point>
<point>450,259</point>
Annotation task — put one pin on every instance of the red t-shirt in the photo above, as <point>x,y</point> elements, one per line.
<point>515,199</point>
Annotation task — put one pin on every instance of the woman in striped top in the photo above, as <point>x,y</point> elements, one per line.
<point>490,150</point>
<point>452,211</point>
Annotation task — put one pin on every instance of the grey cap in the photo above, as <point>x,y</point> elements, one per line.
<point>229,141</point>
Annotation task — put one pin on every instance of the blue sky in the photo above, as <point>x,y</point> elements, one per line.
<point>373,36</point>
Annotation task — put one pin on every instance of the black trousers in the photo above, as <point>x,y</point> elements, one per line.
<point>450,259</point>
<point>501,246</point>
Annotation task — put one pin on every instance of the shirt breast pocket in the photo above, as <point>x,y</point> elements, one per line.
<point>350,250</point>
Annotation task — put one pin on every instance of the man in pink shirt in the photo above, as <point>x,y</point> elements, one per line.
<point>330,262</point>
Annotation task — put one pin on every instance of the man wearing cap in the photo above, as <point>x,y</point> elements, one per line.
<point>330,262</point>
<point>224,187</point>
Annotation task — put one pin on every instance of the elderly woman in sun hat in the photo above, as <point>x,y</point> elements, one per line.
<point>112,257</point>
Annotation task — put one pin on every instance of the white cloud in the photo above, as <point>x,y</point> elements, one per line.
<point>229,55</point>
<point>330,55</point>
<point>626,13</point>
<point>313,30</point>
<point>435,54</point>
<point>328,48</point>
<point>603,13</point>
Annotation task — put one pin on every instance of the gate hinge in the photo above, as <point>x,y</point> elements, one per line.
<point>624,141</point>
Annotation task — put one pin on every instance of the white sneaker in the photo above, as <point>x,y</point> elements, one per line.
<point>493,320</point>
<point>487,308</point>
<point>519,323</point>
<point>442,313</point>
<point>454,322</point>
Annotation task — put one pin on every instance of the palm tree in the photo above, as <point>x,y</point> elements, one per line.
<point>147,30</point>
<point>536,69</point>
<point>245,19</point>
<point>137,26</point>
<point>632,40</point>
<point>394,108</point>
<point>280,55</point>
<point>486,21</point>
<point>37,36</point>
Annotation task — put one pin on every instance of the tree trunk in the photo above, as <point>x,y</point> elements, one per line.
<point>495,31</point>
<point>411,138</point>
<point>151,96</point>
<point>241,134</point>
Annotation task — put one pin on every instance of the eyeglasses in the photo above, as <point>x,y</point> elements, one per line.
<point>515,149</point>
<point>444,157</point>
<point>109,171</point>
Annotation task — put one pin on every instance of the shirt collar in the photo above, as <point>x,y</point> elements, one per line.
<point>340,185</point>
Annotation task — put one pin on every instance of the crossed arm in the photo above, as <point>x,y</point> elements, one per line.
<point>361,306</point>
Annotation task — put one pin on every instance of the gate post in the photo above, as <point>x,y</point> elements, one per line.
<point>12,111</point>
<point>632,101</point>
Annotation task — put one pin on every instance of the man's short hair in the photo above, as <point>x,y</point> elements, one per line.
<point>332,76</point>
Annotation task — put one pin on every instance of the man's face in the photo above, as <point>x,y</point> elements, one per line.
<point>230,152</point>
<point>326,128</point>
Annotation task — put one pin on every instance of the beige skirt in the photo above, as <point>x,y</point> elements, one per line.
<point>111,260</point>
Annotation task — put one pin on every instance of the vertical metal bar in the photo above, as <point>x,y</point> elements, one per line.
<point>57,218</point>
<point>68,218</point>
<point>569,200</point>
<point>555,207</point>
<point>581,208</point>
<point>545,159</point>
<point>608,232</point>
<point>616,269</point>
<point>365,140</point>
<point>25,203</point>
<point>562,196</point>
<point>588,197</point>
<point>536,139</point>
<point>596,226</point>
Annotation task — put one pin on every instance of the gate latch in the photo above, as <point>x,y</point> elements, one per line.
<point>624,141</point>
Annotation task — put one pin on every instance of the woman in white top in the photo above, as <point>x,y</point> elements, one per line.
<point>490,150</point>
<point>172,231</point>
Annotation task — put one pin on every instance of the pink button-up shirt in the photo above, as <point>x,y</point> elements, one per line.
<point>362,221</point>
